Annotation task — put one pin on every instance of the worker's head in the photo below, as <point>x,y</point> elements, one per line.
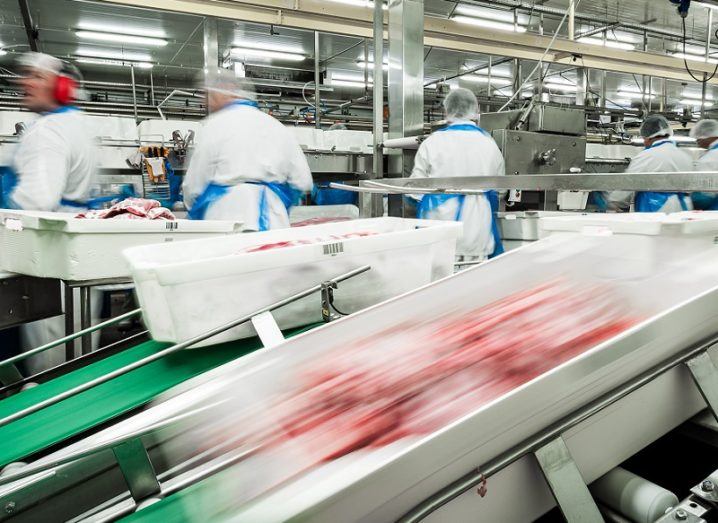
<point>461,104</point>
<point>224,86</point>
<point>47,82</point>
<point>655,127</point>
<point>705,132</point>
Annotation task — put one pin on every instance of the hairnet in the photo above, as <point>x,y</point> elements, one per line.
<point>705,129</point>
<point>655,125</point>
<point>461,104</point>
<point>227,82</point>
<point>40,61</point>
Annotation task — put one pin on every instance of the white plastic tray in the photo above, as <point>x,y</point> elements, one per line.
<point>651,224</point>
<point>57,245</point>
<point>188,289</point>
<point>307,212</point>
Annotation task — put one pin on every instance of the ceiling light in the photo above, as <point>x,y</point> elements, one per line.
<point>486,13</point>
<point>696,96</point>
<point>3,52</point>
<point>122,30</point>
<point>635,94</point>
<point>695,103</point>
<point>118,63</point>
<point>267,53</point>
<point>362,65</point>
<point>695,57</point>
<point>608,43</point>
<point>271,46</point>
<point>348,83</point>
<point>121,38</point>
<point>560,86</point>
<point>489,24</point>
<point>349,78</point>
<point>113,55</point>
<point>484,71</point>
<point>360,3</point>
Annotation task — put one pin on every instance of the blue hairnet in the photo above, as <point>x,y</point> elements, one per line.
<point>461,104</point>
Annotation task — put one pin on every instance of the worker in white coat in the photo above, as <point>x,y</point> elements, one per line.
<point>246,165</point>
<point>52,169</point>
<point>661,155</point>
<point>706,134</point>
<point>54,164</point>
<point>462,149</point>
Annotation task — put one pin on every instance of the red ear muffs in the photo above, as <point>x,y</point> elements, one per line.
<point>65,90</point>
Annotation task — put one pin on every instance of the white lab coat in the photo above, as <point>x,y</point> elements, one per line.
<point>55,159</point>
<point>463,153</point>
<point>237,144</point>
<point>663,156</point>
<point>708,160</point>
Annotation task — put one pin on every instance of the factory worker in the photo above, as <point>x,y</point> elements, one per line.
<point>52,169</point>
<point>462,149</point>
<point>661,155</point>
<point>53,166</point>
<point>706,134</point>
<point>246,165</point>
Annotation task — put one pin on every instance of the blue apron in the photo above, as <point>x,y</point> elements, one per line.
<point>430,202</point>
<point>706,201</point>
<point>650,201</point>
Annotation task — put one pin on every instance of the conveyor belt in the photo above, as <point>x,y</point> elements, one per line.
<point>109,400</point>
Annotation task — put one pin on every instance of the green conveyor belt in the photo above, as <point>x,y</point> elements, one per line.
<point>104,402</point>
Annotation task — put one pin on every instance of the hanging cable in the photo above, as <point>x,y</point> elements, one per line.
<point>685,61</point>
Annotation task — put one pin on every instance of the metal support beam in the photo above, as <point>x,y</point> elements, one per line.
<point>572,20</point>
<point>705,376</point>
<point>406,85</point>
<point>317,102</point>
<point>210,49</point>
<point>566,484</point>
<point>69,320</point>
<point>376,201</point>
<point>31,29</point>
<point>134,91</point>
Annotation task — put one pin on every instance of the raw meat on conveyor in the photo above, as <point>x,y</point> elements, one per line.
<point>131,209</point>
<point>415,378</point>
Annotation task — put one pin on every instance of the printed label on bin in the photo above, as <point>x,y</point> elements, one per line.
<point>332,249</point>
<point>13,225</point>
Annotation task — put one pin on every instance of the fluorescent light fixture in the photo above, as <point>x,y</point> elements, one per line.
<point>559,80</point>
<point>113,55</point>
<point>695,57</point>
<point>608,43</point>
<point>121,38</point>
<point>360,3</point>
<point>635,94</point>
<point>121,30</point>
<point>695,103</point>
<point>348,83</point>
<point>118,63</point>
<point>362,65</point>
<point>696,97</point>
<point>267,53</point>
<point>489,24</point>
<point>3,52</point>
<point>269,46</point>
<point>484,71</point>
<point>487,13</point>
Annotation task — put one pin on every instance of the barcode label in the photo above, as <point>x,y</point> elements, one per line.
<point>333,248</point>
<point>171,226</point>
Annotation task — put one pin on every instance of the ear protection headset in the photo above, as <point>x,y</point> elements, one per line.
<point>66,86</point>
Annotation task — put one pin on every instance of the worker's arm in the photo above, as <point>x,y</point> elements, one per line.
<point>42,172</point>
<point>200,171</point>
<point>299,176</point>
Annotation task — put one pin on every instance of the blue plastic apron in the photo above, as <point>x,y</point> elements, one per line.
<point>430,202</point>
<point>649,201</point>
<point>706,201</point>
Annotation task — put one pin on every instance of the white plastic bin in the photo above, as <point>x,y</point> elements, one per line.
<point>524,225</point>
<point>188,289</point>
<point>572,200</point>
<point>302,213</point>
<point>57,245</point>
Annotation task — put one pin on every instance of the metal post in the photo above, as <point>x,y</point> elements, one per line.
<point>664,94</point>
<point>86,318</point>
<point>704,86</point>
<point>377,207</point>
<point>134,91</point>
<point>541,24</point>
<point>366,67</point>
<point>406,85</point>
<point>603,89</point>
<point>650,94</point>
<point>152,89</point>
<point>210,49</point>
<point>69,321</point>
<point>488,84</point>
<point>317,112</point>
<point>572,20</point>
